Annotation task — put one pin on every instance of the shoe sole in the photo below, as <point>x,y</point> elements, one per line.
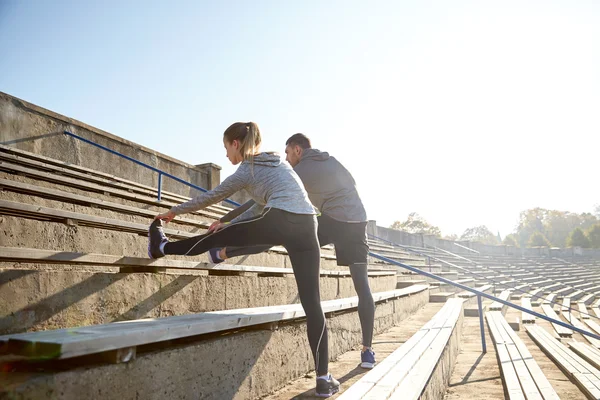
<point>325,395</point>
<point>367,365</point>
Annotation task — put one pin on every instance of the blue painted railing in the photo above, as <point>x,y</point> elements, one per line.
<point>493,281</point>
<point>150,167</point>
<point>478,293</point>
<point>481,294</point>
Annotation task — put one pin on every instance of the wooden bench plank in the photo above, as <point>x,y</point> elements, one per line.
<point>563,357</point>
<point>22,254</point>
<point>102,204</point>
<point>33,164</point>
<point>562,331</point>
<point>72,342</point>
<point>88,186</point>
<point>381,381</point>
<point>578,324</point>
<point>534,385</point>
<point>414,384</point>
<point>583,310</point>
<point>525,317</point>
<point>587,352</point>
<point>496,306</point>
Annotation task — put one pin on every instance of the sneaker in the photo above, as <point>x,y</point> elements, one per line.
<point>367,359</point>
<point>156,237</point>
<point>327,387</point>
<point>213,256</point>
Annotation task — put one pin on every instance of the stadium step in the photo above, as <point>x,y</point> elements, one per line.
<point>179,348</point>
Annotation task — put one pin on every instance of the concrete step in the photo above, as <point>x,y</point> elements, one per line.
<point>440,297</point>
<point>406,283</point>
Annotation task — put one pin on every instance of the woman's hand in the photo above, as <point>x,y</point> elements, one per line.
<point>216,226</point>
<point>167,217</point>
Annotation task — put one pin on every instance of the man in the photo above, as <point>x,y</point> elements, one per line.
<point>342,222</point>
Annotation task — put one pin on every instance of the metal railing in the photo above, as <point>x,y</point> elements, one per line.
<point>481,294</point>
<point>160,172</point>
<point>478,293</point>
<point>493,281</point>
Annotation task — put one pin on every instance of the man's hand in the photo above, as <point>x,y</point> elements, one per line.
<point>216,226</point>
<point>167,217</point>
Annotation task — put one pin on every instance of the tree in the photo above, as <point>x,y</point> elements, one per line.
<point>416,224</point>
<point>558,225</point>
<point>538,239</point>
<point>452,236</point>
<point>593,235</point>
<point>480,234</point>
<point>578,238</point>
<point>530,221</point>
<point>510,240</point>
<point>555,225</point>
<point>597,211</point>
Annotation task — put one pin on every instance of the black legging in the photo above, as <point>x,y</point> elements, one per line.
<point>298,234</point>
<point>360,278</point>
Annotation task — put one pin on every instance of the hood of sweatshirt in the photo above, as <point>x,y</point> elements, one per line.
<point>314,154</point>
<point>266,159</point>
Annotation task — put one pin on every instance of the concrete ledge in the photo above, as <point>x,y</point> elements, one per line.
<point>245,365</point>
<point>39,299</point>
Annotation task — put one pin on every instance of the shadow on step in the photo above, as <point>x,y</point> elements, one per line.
<point>37,313</point>
<point>9,276</point>
<point>144,307</point>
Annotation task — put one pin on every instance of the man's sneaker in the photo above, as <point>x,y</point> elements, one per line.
<point>156,237</point>
<point>213,256</point>
<point>327,387</point>
<point>367,359</point>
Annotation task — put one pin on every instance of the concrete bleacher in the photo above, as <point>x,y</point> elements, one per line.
<point>74,263</point>
<point>85,313</point>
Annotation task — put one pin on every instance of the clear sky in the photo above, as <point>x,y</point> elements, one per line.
<point>466,112</point>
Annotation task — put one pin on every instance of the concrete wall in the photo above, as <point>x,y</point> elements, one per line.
<point>41,298</point>
<point>28,127</point>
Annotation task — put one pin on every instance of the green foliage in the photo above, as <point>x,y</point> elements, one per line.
<point>593,235</point>
<point>578,238</point>
<point>530,221</point>
<point>555,225</point>
<point>480,234</point>
<point>537,239</point>
<point>510,240</point>
<point>416,224</point>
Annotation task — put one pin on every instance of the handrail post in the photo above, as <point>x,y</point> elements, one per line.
<point>159,185</point>
<point>481,326</point>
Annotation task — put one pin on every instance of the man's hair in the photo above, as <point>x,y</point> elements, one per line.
<point>299,139</point>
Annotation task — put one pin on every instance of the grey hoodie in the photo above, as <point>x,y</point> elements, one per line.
<point>269,181</point>
<point>331,188</point>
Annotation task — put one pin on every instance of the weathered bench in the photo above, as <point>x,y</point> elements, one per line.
<point>585,375</point>
<point>497,306</point>
<point>74,342</point>
<point>522,376</point>
<point>562,331</point>
<point>527,318</point>
<point>405,373</point>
